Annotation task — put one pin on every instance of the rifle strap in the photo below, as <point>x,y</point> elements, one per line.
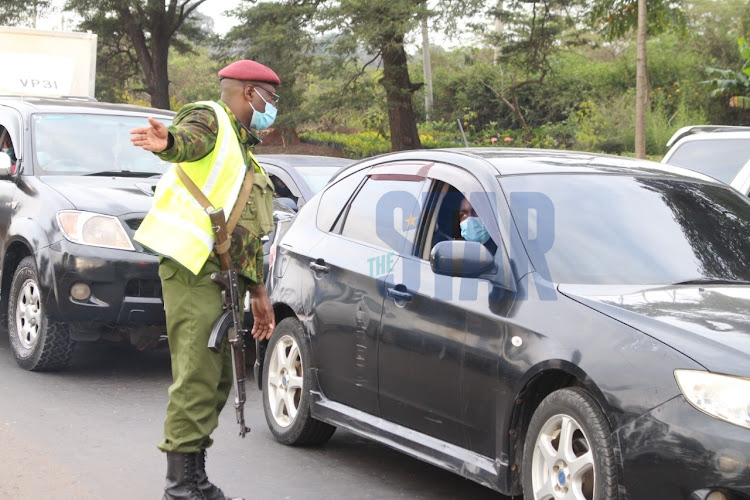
<point>242,197</point>
<point>239,205</point>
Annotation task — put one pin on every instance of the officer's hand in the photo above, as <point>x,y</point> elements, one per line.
<point>263,318</point>
<point>152,138</point>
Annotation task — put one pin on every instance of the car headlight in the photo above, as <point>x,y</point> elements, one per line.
<point>93,229</point>
<point>722,396</point>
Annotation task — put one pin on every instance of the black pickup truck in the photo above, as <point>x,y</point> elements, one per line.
<point>73,191</point>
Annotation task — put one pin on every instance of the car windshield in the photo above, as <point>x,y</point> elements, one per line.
<point>317,177</point>
<point>83,144</point>
<point>719,158</point>
<point>607,229</point>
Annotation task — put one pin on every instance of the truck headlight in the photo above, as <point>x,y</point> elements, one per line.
<point>93,229</point>
<point>722,396</point>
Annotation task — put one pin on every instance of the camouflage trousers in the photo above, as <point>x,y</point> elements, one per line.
<point>201,378</point>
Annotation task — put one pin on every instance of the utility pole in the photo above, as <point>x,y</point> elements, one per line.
<point>426,64</point>
<point>641,83</point>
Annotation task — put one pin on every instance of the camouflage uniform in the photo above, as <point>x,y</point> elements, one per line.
<point>202,379</point>
<point>194,131</point>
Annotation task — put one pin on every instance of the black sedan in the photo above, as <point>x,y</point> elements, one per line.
<point>297,178</point>
<point>546,323</point>
<point>71,198</point>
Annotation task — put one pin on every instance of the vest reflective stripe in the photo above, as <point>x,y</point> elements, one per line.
<point>188,241</point>
<point>177,226</point>
<point>213,175</point>
<point>185,226</point>
<point>217,184</point>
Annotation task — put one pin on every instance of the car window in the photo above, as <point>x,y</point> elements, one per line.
<point>57,141</point>
<point>447,210</point>
<point>317,177</point>
<point>719,158</point>
<point>7,146</point>
<point>280,188</point>
<point>334,199</point>
<point>606,229</point>
<point>384,213</point>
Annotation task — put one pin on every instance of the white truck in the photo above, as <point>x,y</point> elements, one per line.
<point>47,63</point>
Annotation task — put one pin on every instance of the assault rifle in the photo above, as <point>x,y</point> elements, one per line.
<point>229,323</point>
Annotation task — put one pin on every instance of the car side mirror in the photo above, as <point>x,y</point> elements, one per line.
<point>289,203</point>
<point>461,258</point>
<point>5,165</point>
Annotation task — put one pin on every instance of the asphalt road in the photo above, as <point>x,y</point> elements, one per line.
<point>90,432</point>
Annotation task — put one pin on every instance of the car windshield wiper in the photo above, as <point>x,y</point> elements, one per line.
<point>711,281</point>
<point>122,173</point>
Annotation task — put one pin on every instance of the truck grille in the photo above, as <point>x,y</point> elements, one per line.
<point>143,288</point>
<point>134,224</point>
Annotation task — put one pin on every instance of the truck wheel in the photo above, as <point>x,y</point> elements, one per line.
<point>568,451</point>
<point>287,378</point>
<point>38,343</point>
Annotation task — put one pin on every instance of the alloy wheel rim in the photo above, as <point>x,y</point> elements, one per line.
<point>285,381</point>
<point>562,465</point>
<point>28,314</point>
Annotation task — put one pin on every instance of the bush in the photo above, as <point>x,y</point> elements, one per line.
<point>609,126</point>
<point>359,145</point>
<point>371,143</point>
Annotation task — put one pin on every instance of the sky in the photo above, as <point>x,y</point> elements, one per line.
<point>222,24</point>
<point>211,8</point>
<point>216,9</point>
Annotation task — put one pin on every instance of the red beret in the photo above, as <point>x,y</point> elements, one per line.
<point>250,70</point>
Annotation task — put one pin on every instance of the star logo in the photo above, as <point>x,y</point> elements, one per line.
<point>411,221</point>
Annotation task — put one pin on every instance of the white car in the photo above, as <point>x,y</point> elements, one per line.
<point>723,152</point>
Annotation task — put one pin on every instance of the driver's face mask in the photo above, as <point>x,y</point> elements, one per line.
<point>472,229</point>
<point>11,153</point>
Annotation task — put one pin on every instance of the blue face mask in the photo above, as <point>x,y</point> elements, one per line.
<point>472,229</point>
<point>10,152</point>
<point>261,121</point>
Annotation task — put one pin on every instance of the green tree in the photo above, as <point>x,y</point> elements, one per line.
<point>193,76</point>
<point>380,27</point>
<point>618,17</point>
<point>23,12</point>
<point>117,68</point>
<point>342,93</point>
<point>533,32</point>
<point>735,84</point>
<point>142,31</point>
<point>713,28</point>
<point>276,34</point>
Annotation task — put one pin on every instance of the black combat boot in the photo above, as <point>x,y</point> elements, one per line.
<point>209,490</point>
<point>182,480</point>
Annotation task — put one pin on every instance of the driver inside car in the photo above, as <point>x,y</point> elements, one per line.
<point>472,228</point>
<point>7,148</point>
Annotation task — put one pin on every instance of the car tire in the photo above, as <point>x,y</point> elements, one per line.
<point>287,380</point>
<point>568,452</point>
<point>38,343</point>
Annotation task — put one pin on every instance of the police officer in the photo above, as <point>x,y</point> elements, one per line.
<point>210,141</point>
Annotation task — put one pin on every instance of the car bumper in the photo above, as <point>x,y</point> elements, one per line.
<point>125,286</point>
<point>676,451</point>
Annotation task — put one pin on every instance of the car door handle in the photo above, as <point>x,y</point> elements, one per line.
<point>400,294</point>
<point>319,266</point>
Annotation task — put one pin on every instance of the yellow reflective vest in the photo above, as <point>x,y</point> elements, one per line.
<point>177,226</point>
